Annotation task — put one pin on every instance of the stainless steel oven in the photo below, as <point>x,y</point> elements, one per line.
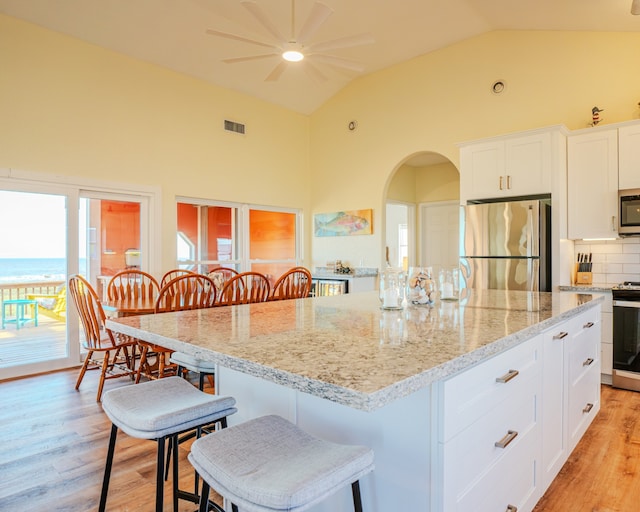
<point>629,214</point>
<point>626,336</point>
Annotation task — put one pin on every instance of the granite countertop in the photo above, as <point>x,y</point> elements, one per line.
<point>328,273</point>
<point>346,349</point>
<point>587,288</point>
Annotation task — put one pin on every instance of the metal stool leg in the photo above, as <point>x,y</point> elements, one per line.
<point>357,501</point>
<point>107,468</point>
<point>160,475</point>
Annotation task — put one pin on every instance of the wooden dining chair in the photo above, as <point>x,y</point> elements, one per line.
<point>189,291</point>
<point>220,276</point>
<point>118,351</point>
<point>295,283</point>
<point>172,274</point>
<point>132,284</point>
<point>245,288</point>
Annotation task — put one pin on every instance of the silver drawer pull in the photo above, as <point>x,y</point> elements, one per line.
<point>588,325</point>
<point>561,335</point>
<point>504,442</point>
<point>507,376</point>
<point>588,362</point>
<point>587,408</point>
<point>511,508</point>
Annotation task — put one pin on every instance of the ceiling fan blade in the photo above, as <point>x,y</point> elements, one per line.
<point>276,72</point>
<point>314,72</point>
<point>337,62</point>
<point>239,38</point>
<point>343,42</point>
<point>234,60</point>
<point>262,18</point>
<point>319,14</point>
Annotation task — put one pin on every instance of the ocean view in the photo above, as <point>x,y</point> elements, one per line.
<point>34,269</point>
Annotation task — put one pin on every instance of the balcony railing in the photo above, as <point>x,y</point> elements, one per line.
<point>21,290</point>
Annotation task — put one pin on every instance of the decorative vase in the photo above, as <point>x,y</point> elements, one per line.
<point>421,288</point>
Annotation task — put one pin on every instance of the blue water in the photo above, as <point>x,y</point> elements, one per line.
<point>18,270</point>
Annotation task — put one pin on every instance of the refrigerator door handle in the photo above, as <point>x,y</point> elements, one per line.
<point>529,232</point>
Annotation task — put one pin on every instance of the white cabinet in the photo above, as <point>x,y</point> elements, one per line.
<point>513,165</point>
<point>489,441</point>
<point>571,387</point>
<point>518,164</point>
<point>592,177</point>
<point>584,375</point>
<point>629,156</point>
<point>505,427</point>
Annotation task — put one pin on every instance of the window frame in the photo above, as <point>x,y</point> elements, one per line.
<point>242,262</point>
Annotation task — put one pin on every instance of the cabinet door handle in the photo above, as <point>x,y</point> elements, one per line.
<point>561,335</point>
<point>507,376</point>
<point>588,362</point>
<point>506,440</point>
<point>587,408</point>
<point>588,325</point>
<point>511,508</point>
<point>500,183</point>
<point>508,182</point>
<point>613,223</point>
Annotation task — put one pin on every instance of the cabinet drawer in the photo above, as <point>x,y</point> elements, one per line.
<point>584,403</point>
<point>513,422</point>
<point>584,348</point>
<point>469,395</point>
<point>513,480</point>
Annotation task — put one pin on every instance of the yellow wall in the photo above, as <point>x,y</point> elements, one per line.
<point>75,109</point>
<point>437,100</point>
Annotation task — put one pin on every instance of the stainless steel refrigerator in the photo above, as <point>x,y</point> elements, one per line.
<point>506,245</point>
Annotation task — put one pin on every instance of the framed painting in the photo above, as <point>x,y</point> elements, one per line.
<point>347,223</point>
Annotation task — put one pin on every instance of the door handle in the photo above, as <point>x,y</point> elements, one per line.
<point>561,335</point>
<point>588,325</point>
<point>588,362</point>
<point>511,508</point>
<point>587,408</point>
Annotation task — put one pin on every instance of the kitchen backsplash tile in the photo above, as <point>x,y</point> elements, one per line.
<point>614,261</point>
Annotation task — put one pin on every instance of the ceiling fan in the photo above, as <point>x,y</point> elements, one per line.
<point>295,48</point>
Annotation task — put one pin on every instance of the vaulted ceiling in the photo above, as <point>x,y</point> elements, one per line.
<point>173,34</point>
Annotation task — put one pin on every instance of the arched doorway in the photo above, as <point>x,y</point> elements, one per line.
<point>422,211</point>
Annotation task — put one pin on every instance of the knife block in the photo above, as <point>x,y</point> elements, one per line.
<point>582,277</point>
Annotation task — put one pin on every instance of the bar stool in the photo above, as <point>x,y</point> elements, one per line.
<point>268,465</point>
<point>160,410</point>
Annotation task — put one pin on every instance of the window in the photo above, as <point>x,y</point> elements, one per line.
<point>242,237</point>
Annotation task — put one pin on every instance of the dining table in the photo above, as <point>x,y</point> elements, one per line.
<point>120,308</point>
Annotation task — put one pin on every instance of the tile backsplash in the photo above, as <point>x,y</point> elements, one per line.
<point>614,261</point>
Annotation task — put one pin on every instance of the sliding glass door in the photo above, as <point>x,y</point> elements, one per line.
<point>48,233</point>
<point>34,263</point>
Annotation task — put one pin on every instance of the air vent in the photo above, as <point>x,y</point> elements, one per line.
<point>232,126</point>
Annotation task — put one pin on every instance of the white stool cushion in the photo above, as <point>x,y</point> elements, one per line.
<point>192,363</point>
<point>161,407</point>
<point>269,464</point>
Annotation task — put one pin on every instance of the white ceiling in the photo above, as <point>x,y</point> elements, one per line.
<point>172,33</point>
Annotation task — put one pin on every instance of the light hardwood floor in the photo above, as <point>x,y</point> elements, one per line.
<point>53,443</point>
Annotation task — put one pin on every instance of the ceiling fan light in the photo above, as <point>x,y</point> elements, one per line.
<point>635,7</point>
<point>292,56</point>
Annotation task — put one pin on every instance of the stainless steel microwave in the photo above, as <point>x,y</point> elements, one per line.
<point>629,213</point>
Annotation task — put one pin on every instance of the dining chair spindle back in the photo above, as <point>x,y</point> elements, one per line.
<point>117,360</point>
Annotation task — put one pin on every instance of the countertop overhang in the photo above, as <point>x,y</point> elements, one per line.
<point>346,349</point>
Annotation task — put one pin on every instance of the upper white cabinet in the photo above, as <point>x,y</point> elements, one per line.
<point>519,164</point>
<point>629,156</point>
<point>592,177</point>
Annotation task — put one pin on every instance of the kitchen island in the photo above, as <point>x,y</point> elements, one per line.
<point>343,369</point>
